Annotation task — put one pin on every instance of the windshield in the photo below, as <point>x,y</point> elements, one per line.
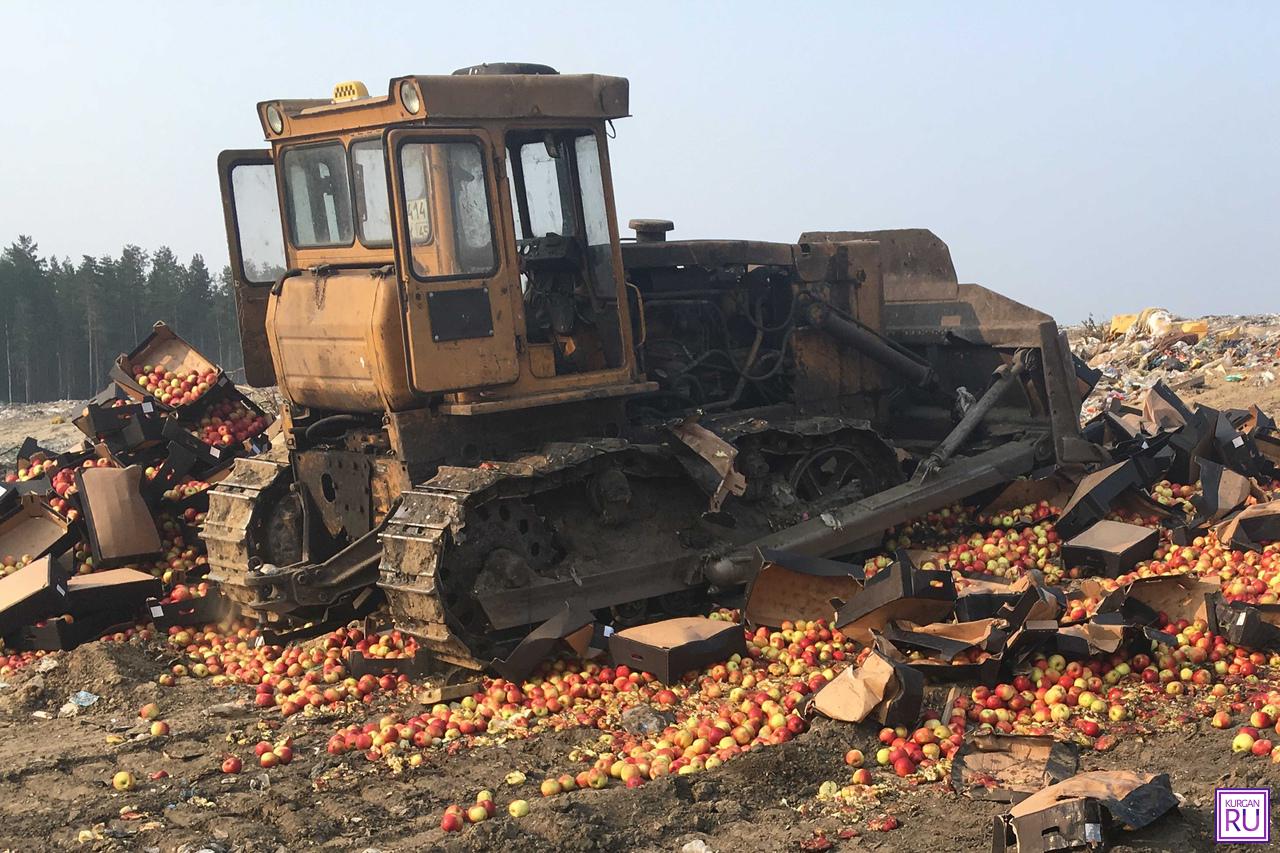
<point>373,203</point>
<point>318,196</point>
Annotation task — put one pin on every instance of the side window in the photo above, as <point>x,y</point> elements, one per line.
<point>373,203</point>
<point>447,204</point>
<point>257,208</point>
<point>318,196</point>
<point>595,214</point>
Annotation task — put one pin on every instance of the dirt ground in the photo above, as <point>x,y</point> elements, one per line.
<point>56,771</point>
<point>55,781</point>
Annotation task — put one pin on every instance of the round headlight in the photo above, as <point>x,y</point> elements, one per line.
<point>409,97</point>
<point>275,121</point>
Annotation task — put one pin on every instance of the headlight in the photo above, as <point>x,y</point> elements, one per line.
<point>275,121</point>
<point>409,97</point>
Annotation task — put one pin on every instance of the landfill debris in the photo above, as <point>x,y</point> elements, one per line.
<point>1136,351</point>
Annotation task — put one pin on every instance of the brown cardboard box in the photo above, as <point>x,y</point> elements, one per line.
<point>941,642</point>
<point>122,590</point>
<point>673,647</point>
<point>1059,817</point>
<point>889,691</point>
<point>1252,526</point>
<point>792,587</point>
<point>121,527</point>
<point>571,629</point>
<point>900,591</point>
<point>34,592</point>
<point>34,529</point>
<point>1110,548</point>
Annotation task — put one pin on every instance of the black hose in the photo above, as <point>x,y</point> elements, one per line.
<point>330,420</point>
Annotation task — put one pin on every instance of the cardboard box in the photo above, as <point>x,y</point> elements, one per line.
<point>900,591</point>
<point>178,463</point>
<point>1235,451</point>
<point>1252,626</point>
<point>1080,812</point>
<point>673,647</point>
<point>122,428</point>
<point>120,524</point>
<point>1071,825</point>
<point>162,348</point>
<point>571,630</point>
<point>1223,491</point>
<point>121,590</point>
<point>1110,548</point>
<point>36,591</point>
<point>1176,596</point>
<point>1094,496</point>
<point>941,643</point>
<point>792,587</point>
<point>8,498</point>
<point>1251,527</point>
<point>1009,768</point>
<point>34,529</point>
<point>881,688</point>
<point>63,634</point>
<point>207,609</point>
<point>208,458</point>
<point>983,599</point>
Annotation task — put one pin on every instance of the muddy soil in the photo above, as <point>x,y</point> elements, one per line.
<point>56,772</point>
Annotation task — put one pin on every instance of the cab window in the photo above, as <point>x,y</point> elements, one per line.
<point>373,203</point>
<point>446,201</point>
<point>318,196</point>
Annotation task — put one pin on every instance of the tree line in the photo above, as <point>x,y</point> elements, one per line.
<point>62,323</point>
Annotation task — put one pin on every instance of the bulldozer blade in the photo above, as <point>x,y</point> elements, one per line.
<point>862,524</point>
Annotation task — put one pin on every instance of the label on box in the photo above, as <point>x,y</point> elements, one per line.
<point>1238,441</point>
<point>1240,619</point>
<point>1093,833</point>
<point>62,590</point>
<point>157,612</point>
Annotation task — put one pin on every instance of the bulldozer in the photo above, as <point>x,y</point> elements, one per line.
<point>495,404</point>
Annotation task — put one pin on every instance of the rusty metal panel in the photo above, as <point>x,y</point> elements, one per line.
<point>338,341</point>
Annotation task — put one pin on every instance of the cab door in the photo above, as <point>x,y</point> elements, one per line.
<point>255,243</point>
<point>458,279</point>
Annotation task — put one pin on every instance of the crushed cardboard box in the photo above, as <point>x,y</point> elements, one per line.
<point>1010,768</point>
<point>1083,812</point>
<point>881,688</point>
<point>792,587</point>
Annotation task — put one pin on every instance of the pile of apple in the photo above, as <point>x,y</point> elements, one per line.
<point>230,422</point>
<point>174,389</point>
<point>1008,553</point>
<point>10,564</point>
<point>186,487</point>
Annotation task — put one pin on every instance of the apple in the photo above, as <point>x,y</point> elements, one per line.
<point>518,808</point>
<point>231,764</point>
<point>861,776</point>
<point>1243,742</point>
<point>854,758</point>
<point>122,781</point>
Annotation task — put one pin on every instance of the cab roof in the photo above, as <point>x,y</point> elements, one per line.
<point>458,96</point>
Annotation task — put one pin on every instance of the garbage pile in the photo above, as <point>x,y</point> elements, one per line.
<point>1056,589</point>
<point>1136,350</point>
<point>103,536</point>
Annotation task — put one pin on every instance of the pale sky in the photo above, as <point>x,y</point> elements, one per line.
<point>1082,158</point>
